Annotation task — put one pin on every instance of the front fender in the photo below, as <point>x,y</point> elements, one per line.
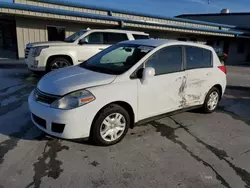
<point>125,91</point>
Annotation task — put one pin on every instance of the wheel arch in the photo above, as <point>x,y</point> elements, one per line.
<point>52,57</point>
<point>219,87</point>
<point>124,105</point>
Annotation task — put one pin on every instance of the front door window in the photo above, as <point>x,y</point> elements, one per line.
<point>163,92</point>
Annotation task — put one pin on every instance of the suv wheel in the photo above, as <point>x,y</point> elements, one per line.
<point>57,63</point>
<point>211,101</point>
<point>110,126</point>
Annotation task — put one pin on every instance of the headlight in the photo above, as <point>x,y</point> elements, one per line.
<point>37,50</point>
<point>73,100</point>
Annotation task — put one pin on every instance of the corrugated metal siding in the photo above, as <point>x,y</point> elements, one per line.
<point>55,16</point>
<point>33,30</point>
<point>162,20</point>
<point>28,31</point>
<point>116,14</point>
<point>30,2</point>
<point>129,25</point>
<point>152,27</point>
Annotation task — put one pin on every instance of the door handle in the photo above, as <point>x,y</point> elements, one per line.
<point>101,48</point>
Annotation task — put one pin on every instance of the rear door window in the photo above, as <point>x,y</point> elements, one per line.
<point>113,38</point>
<point>198,57</point>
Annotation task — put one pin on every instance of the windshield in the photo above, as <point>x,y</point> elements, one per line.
<point>75,36</point>
<point>117,59</point>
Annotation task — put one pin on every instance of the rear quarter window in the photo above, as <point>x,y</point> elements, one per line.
<point>198,57</point>
<point>140,36</point>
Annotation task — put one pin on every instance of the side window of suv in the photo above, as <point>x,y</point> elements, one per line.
<point>113,38</point>
<point>166,60</point>
<point>95,38</point>
<point>198,57</point>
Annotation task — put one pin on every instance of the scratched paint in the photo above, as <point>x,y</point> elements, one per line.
<point>183,102</point>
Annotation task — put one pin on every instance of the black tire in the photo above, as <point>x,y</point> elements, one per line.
<point>97,123</point>
<point>50,64</point>
<point>205,107</point>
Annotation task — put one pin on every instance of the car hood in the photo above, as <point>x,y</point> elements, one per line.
<point>54,43</point>
<point>70,79</point>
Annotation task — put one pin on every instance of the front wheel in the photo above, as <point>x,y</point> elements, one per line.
<point>57,63</point>
<point>110,125</point>
<point>211,101</point>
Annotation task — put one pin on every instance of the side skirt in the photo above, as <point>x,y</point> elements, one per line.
<point>166,115</point>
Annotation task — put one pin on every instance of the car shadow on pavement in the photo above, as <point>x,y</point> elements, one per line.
<point>236,102</point>
<point>239,88</point>
<point>15,122</point>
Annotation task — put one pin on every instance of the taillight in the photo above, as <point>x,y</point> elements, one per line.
<point>223,69</point>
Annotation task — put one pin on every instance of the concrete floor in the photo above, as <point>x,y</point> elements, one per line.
<point>188,150</point>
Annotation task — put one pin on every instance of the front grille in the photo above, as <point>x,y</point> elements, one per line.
<point>41,122</point>
<point>27,50</point>
<point>57,128</point>
<point>44,97</point>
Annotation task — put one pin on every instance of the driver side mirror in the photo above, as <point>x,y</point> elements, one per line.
<point>83,41</point>
<point>147,73</point>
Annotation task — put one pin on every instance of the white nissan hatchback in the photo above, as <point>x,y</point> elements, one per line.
<point>125,84</point>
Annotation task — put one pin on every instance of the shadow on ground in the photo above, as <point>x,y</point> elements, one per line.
<point>236,102</point>
<point>14,113</point>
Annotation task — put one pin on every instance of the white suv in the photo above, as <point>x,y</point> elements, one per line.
<point>47,56</point>
<point>126,84</point>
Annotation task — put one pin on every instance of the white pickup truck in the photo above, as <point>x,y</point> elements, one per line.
<point>48,56</point>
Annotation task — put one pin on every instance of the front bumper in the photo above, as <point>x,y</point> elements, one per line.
<point>35,64</point>
<point>72,124</point>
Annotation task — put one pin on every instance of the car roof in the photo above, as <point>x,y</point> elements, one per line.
<point>159,42</point>
<point>118,31</point>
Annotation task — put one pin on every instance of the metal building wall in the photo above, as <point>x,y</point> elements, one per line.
<point>35,30</point>
<point>116,14</point>
<point>237,20</point>
<point>42,4</point>
<point>234,57</point>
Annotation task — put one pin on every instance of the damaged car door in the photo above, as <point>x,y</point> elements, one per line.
<point>199,74</point>
<point>163,92</point>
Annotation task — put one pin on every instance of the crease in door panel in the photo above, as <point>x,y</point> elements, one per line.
<point>183,102</point>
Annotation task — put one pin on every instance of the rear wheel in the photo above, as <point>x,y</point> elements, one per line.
<point>211,101</point>
<point>110,125</point>
<point>57,63</point>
